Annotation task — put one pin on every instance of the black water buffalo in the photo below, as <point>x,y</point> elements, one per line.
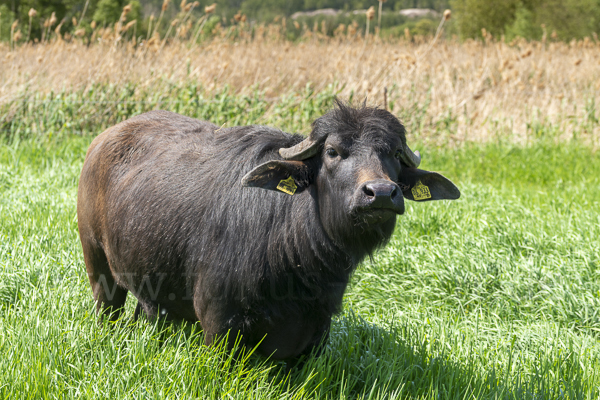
<point>175,211</point>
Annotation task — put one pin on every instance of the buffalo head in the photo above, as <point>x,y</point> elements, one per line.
<point>358,167</point>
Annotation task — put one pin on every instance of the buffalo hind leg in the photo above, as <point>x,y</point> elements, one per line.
<point>109,296</point>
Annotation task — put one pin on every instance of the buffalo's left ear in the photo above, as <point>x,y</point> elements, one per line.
<point>284,176</point>
<point>421,185</point>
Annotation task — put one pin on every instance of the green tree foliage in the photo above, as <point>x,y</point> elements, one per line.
<point>63,9</point>
<point>136,11</point>
<point>473,15</point>
<point>6,18</point>
<point>268,9</point>
<point>108,11</point>
<point>101,11</point>
<point>568,18</point>
<point>524,25</point>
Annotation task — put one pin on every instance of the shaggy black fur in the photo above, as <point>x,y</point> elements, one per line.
<point>163,214</point>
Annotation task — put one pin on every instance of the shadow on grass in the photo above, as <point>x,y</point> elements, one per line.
<point>364,360</point>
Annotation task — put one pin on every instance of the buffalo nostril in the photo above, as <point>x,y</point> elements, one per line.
<point>367,190</point>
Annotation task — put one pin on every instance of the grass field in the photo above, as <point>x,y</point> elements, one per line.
<point>493,296</point>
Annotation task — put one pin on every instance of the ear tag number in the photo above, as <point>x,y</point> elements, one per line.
<point>288,186</point>
<point>420,191</point>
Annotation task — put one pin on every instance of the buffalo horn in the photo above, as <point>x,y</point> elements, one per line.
<point>411,159</point>
<point>303,150</point>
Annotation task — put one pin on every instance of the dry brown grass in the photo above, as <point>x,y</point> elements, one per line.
<point>478,89</point>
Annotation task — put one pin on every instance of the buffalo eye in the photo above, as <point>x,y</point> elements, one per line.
<point>331,152</point>
<point>398,154</point>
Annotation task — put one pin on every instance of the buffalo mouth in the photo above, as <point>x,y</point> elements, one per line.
<point>376,216</point>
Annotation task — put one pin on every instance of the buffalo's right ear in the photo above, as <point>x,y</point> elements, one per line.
<point>285,176</point>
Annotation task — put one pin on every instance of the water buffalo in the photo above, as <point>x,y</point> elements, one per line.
<point>248,230</point>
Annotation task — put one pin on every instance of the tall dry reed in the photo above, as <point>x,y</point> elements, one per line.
<point>478,89</point>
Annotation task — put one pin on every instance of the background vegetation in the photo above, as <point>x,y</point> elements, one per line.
<point>529,19</point>
<point>472,91</point>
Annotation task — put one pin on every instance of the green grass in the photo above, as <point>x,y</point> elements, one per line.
<point>493,296</point>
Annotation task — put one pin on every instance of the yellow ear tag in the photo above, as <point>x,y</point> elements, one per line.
<point>288,186</point>
<point>420,191</point>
